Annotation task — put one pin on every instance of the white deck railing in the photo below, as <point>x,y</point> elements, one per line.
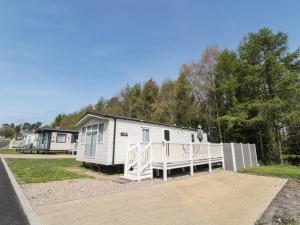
<point>175,152</point>
<point>140,156</point>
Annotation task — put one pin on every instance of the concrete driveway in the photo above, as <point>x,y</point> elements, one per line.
<point>209,199</point>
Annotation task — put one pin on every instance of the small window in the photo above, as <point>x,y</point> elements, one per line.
<point>74,138</point>
<point>167,135</point>
<point>193,138</point>
<point>83,135</point>
<point>95,127</point>
<point>100,133</point>
<point>61,138</point>
<point>145,135</point>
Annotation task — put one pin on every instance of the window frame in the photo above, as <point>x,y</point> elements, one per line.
<point>83,135</point>
<point>148,129</point>
<point>98,129</point>
<point>64,134</point>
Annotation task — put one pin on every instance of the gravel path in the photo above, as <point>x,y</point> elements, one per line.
<point>61,191</point>
<point>68,190</point>
<point>286,205</point>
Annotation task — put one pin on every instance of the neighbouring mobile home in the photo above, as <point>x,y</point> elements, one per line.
<point>56,140</point>
<point>29,140</point>
<point>103,139</point>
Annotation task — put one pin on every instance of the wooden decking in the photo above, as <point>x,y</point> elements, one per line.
<point>141,159</point>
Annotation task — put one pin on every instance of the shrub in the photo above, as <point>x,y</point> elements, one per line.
<point>292,159</point>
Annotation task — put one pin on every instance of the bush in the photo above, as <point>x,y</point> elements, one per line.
<point>292,159</point>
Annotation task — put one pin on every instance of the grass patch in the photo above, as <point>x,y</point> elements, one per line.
<point>45,170</point>
<point>9,151</point>
<point>275,170</point>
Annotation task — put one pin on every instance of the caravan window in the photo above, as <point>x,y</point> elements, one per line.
<point>100,133</point>
<point>74,138</point>
<point>167,135</point>
<point>145,135</point>
<point>61,138</point>
<point>193,138</point>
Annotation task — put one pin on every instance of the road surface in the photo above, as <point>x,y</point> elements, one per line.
<point>11,212</point>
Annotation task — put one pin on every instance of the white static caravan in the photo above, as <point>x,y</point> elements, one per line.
<point>56,140</point>
<point>29,140</point>
<point>104,139</point>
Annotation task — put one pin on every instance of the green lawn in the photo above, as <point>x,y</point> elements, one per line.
<point>45,170</point>
<point>275,170</point>
<point>9,151</point>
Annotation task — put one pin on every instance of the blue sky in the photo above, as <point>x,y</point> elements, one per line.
<point>58,55</point>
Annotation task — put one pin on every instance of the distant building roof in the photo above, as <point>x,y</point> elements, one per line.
<point>131,119</point>
<point>45,130</point>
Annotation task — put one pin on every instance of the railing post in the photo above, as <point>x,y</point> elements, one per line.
<point>209,158</point>
<point>233,157</point>
<point>191,159</point>
<point>151,159</point>
<point>223,160</point>
<point>138,161</point>
<point>126,160</point>
<point>165,175</point>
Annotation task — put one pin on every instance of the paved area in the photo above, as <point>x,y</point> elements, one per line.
<point>35,156</point>
<point>222,198</point>
<point>11,212</point>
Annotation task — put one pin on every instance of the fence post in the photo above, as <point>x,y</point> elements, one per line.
<point>255,155</point>
<point>223,160</point>
<point>138,161</point>
<point>250,154</point>
<point>233,157</point>
<point>165,175</point>
<point>209,158</point>
<point>243,155</point>
<point>191,159</point>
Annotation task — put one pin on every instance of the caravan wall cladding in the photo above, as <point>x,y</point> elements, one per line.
<point>127,132</point>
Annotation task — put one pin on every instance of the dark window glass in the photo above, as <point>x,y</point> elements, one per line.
<point>193,138</point>
<point>167,135</point>
<point>74,138</point>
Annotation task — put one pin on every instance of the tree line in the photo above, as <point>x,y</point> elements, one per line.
<point>251,95</point>
<point>16,131</point>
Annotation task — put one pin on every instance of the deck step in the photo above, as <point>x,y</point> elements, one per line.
<point>134,177</point>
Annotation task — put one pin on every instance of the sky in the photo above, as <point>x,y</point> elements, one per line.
<point>57,55</point>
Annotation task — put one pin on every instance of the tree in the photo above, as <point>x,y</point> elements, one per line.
<point>267,80</point>
<point>57,121</point>
<point>114,107</point>
<point>7,131</point>
<point>101,105</point>
<point>185,104</point>
<point>150,92</point>
<point>68,121</point>
<point>132,101</point>
<point>164,108</point>
<point>202,80</point>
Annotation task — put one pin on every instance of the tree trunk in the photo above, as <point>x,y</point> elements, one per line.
<point>261,146</point>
